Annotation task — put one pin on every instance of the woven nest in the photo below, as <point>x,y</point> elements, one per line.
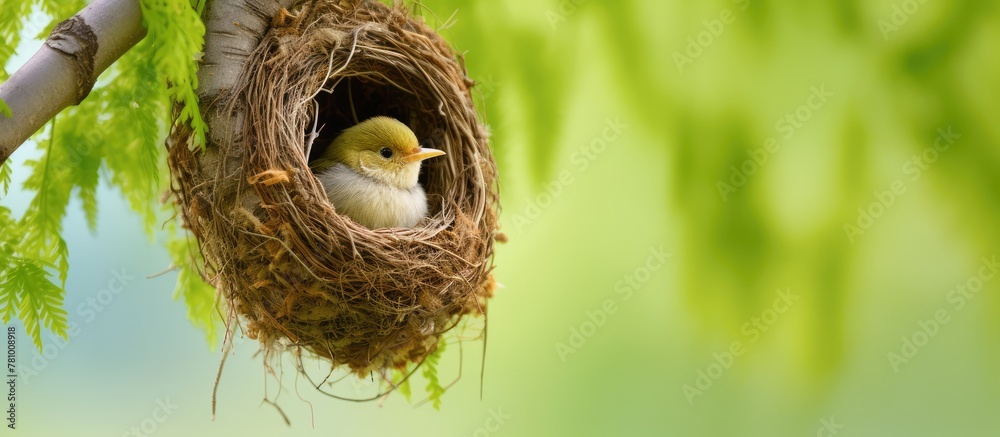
<point>297,275</point>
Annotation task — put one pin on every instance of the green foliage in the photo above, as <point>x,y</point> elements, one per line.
<point>38,301</point>
<point>117,131</point>
<point>137,104</point>
<point>8,242</point>
<point>13,15</point>
<point>198,296</point>
<point>8,300</point>
<point>430,373</point>
<point>4,178</point>
<point>34,249</point>
<point>402,384</point>
<point>51,179</point>
<point>177,33</point>
<point>5,110</point>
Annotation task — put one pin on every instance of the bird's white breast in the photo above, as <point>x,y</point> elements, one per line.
<point>372,203</point>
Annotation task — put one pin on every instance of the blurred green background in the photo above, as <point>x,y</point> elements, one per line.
<point>681,184</point>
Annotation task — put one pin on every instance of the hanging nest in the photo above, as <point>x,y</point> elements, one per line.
<point>296,274</point>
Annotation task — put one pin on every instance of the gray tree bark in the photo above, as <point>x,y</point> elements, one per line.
<point>63,71</point>
<point>234,28</point>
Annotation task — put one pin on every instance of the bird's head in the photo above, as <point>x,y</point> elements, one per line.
<point>381,148</point>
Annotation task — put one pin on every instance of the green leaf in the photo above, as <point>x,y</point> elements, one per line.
<point>5,110</point>
<point>198,296</point>
<point>541,100</point>
<point>62,254</point>
<point>177,34</point>
<point>10,235</point>
<point>13,15</point>
<point>5,173</point>
<point>119,129</point>
<point>51,179</point>
<point>9,293</point>
<point>39,302</point>
<point>80,158</point>
<point>8,302</point>
<point>88,195</point>
<point>403,384</point>
<point>198,5</point>
<point>430,372</point>
<point>137,104</point>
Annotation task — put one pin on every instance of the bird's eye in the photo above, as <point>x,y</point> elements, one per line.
<point>385,152</point>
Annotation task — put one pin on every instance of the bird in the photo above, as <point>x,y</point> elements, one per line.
<point>370,173</point>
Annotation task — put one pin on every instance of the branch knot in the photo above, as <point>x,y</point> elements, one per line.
<point>75,39</point>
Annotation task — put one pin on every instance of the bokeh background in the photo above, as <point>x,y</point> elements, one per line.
<point>676,177</point>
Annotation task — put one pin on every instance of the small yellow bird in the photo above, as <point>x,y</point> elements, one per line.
<point>370,174</point>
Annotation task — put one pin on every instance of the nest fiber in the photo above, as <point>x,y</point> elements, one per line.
<point>295,273</point>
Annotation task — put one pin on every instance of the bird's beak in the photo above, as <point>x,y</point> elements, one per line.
<point>420,154</point>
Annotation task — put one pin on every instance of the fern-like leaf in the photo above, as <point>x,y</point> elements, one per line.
<point>5,178</point>
<point>402,384</point>
<point>87,181</point>
<point>8,301</point>
<point>12,19</point>
<point>430,372</point>
<point>9,237</point>
<point>119,129</point>
<point>178,35</point>
<point>39,302</point>
<point>62,261</point>
<point>198,296</point>
<point>137,104</point>
<point>8,292</point>
<point>77,149</point>
<point>51,180</point>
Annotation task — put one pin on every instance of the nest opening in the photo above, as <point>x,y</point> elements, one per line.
<point>353,100</point>
<point>295,274</point>
<point>350,100</point>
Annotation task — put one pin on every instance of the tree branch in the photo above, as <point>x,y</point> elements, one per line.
<point>63,71</point>
<point>234,30</point>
